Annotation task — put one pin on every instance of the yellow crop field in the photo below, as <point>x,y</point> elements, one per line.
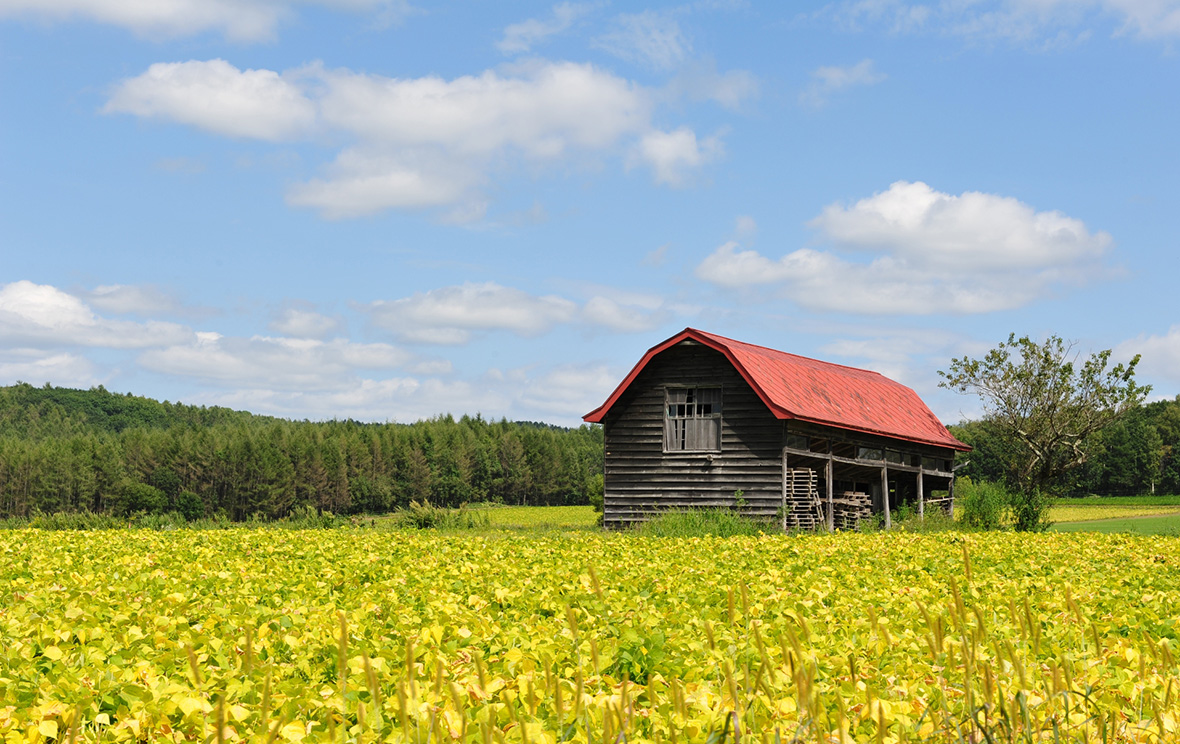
<point>545,516</point>
<point>340,635</point>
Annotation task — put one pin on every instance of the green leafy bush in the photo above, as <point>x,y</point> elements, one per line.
<point>424,515</point>
<point>982,505</point>
<point>933,520</point>
<point>190,505</point>
<point>308,518</point>
<point>140,497</point>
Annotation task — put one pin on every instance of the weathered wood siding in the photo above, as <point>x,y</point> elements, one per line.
<point>641,479</point>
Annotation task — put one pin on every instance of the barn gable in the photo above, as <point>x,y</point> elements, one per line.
<point>795,387</point>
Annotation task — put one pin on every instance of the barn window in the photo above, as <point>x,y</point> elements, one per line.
<point>692,419</point>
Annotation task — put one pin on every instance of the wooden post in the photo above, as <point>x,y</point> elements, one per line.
<point>885,496</point>
<point>921,496</point>
<point>831,512</point>
<point>784,506</point>
<point>950,492</point>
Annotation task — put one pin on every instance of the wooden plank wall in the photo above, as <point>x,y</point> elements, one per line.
<point>641,479</point>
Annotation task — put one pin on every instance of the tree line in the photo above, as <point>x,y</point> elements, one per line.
<point>93,450</point>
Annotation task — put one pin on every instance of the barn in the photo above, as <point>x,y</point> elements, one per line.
<point>707,421</point>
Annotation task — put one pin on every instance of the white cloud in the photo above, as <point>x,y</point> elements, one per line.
<point>272,362</point>
<point>908,355</point>
<point>402,399</point>
<point>672,155</point>
<point>1048,22</point>
<point>929,252</point>
<point>35,366</point>
<point>449,315</point>
<point>365,181</point>
<point>826,81</point>
<point>521,37</point>
<point>1160,355</point>
<point>453,315</point>
<point>126,299</point>
<point>219,98</point>
<point>420,142</point>
<point>622,316</point>
<point>543,110</point>
<point>569,391</point>
<point>559,394</point>
<point>652,38</point>
<point>41,316</point>
<point>971,231</point>
<point>302,322</point>
<point>238,20</point>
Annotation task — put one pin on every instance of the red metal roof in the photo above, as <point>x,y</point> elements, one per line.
<point>795,387</point>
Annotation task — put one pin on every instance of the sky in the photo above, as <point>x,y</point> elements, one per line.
<point>389,210</point>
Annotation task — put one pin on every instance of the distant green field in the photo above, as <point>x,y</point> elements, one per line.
<point>1157,525</point>
<point>1144,500</point>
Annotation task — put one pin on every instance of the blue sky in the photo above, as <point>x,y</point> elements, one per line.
<point>387,211</point>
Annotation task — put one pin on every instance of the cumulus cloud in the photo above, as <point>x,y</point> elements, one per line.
<point>449,315</point>
<point>238,20</point>
<point>272,362</point>
<point>43,316</point>
<point>126,299</point>
<point>1160,354</point>
<point>304,322</point>
<point>568,391</point>
<point>928,252</point>
<point>558,394</point>
<point>454,315</point>
<point>401,398</point>
<point>418,142</point>
<point>1023,21</point>
<point>521,37</point>
<point>306,369</point>
<point>827,81</point>
<point>673,155</point>
<point>908,355</point>
<point>36,366</point>
<point>624,315</point>
<point>219,98</point>
<point>973,230</point>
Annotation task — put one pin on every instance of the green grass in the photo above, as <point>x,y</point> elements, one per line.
<point>1159,525</point>
<point>1144,500</point>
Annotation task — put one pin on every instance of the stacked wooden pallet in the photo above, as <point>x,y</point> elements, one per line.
<point>804,510</point>
<point>850,509</point>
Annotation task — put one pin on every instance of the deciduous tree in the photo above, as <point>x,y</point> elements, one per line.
<point>1046,401</point>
